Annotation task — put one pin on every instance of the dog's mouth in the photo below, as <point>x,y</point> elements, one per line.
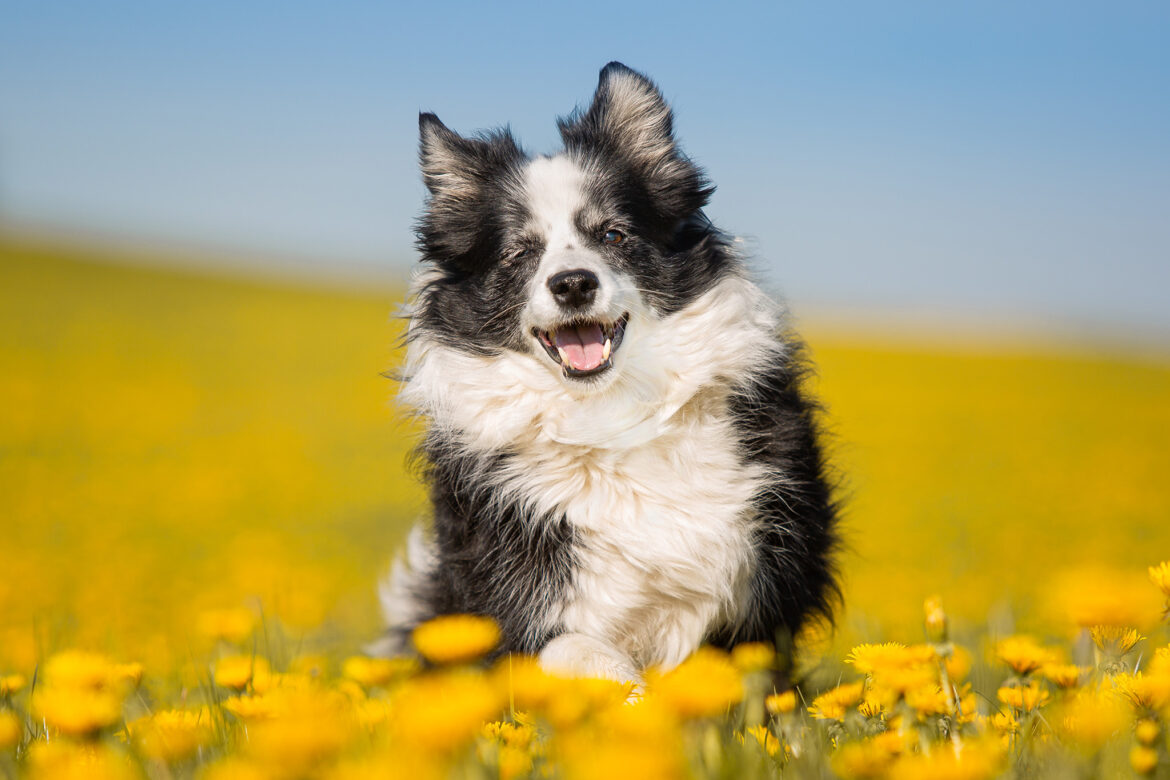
<point>585,348</point>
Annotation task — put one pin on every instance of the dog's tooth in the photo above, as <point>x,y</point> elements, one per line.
<point>564,356</point>
<point>605,350</point>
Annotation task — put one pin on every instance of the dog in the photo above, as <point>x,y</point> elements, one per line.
<point>622,458</point>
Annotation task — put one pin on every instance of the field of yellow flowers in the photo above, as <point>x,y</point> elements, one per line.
<point>202,479</point>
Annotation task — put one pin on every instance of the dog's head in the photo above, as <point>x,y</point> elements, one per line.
<point>565,257</point>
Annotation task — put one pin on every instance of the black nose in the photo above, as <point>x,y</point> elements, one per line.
<point>574,289</point>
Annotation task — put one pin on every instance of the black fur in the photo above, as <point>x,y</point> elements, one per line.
<point>493,557</point>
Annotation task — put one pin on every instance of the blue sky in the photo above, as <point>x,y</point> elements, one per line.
<point>994,158</point>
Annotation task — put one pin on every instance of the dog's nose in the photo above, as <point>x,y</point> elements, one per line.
<point>574,289</point>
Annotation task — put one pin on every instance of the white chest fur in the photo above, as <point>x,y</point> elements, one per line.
<point>664,531</point>
<point>648,471</point>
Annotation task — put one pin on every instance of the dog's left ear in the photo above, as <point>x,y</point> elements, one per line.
<point>629,121</point>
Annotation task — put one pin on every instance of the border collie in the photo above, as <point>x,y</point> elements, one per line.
<point>620,453</point>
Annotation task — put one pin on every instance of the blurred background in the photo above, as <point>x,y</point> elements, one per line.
<point>205,227</point>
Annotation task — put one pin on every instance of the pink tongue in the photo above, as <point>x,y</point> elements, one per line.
<point>582,346</point>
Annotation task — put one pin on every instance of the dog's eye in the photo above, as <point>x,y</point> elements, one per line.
<point>518,255</point>
<point>614,237</point>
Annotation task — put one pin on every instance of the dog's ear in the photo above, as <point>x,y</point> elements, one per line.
<point>630,121</point>
<point>462,174</point>
<point>455,166</point>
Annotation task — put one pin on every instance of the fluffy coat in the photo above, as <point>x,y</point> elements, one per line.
<point>621,457</point>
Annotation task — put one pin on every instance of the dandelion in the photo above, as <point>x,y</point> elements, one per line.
<point>172,735</point>
<point>753,656</point>
<point>251,708</point>
<point>1160,576</point>
<point>1145,692</point>
<point>935,619</point>
<point>929,701</point>
<point>231,625</point>
<point>975,761</point>
<point>1091,718</point>
<point>236,671</point>
<point>1147,732</point>
<point>704,685</point>
<point>81,669</point>
<point>764,738</point>
<point>77,712</point>
<point>1115,641</point>
<point>875,659</point>
<point>1024,698</point>
<point>373,672</point>
<point>868,759</point>
<point>11,683</point>
<point>11,730</point>
<point>833,704</point>
<point>958,664</point>
<point>442,712</point>
<point>1144,760</point>
<point>1062,675</point>
<point>780,703</point>
<point>1023,654</point>
<point>65,760</point>
<point>455,639</point>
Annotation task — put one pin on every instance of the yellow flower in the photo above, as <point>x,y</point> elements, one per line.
<point>876,659</point>
<point>975,760</point>
<point>250,708</point>
<point>65,760</point>
<point>753,656</point>
<point>77,711</point>
<point>958,664</point>
<point>779,703</point>
<point>1005,723</point>
<point>1023,654</point>
<point>172,735</point>
<point>309,728</point>
<point>765,738</point>
<point>868,759</point>
<point>935,619</point>
<point>1023,697</point>
<point>1160,663</point>
<point>236,671</point>
<point>1147,732</point>
<point>11,683</point>
<point>441,712</point>
<point>1115,640</point>
<point>872,706</point>
<point>1160,576</point>
<point>704,685</point>
<point>833,704</point>
<point>1144,760</point>
<point>1145,692</point>
<point>1089,719</point>
<point>11,730</point>
<point>81,669</point>
<point>232,625</point>
<point>1062,675</point>
<point>454,639</point>
<point>372,672</point>
<point>929,701</point>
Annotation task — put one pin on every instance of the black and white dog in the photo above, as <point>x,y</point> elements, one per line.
<point>622,462</point>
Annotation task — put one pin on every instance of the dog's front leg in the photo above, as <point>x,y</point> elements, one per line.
<point>579,655</point>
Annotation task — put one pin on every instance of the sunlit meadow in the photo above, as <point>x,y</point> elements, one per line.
<point>202,480</point>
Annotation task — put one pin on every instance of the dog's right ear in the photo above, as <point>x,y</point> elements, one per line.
<point>453,165</point>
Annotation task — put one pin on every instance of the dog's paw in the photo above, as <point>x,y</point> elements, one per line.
<point>578,655</point>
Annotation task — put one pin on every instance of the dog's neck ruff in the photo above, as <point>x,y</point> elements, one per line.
<point>512,401</point>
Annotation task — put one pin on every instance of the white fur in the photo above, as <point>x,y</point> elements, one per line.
<point>553,189</point>
<point>645,467</point>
